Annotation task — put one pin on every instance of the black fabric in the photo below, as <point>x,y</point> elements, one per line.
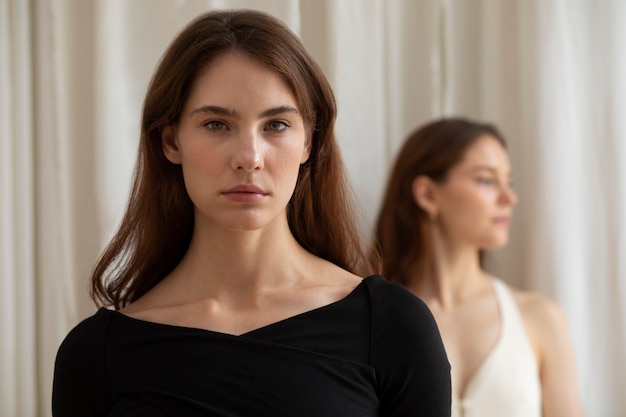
<point>377,352</point>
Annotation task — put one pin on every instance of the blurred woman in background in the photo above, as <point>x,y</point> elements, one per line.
<point>449,198</point>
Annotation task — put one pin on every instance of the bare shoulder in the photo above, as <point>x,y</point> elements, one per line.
<point>544,321</point>
<point>337,281</point>
<point>549,335</point>
<point>537,308</point>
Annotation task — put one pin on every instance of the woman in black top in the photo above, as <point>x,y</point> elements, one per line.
<point>235,277</point>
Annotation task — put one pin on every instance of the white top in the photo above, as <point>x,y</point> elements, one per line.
<point>507,382</point>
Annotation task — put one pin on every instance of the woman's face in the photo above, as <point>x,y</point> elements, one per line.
<point>475,202</point>
<point>240,141</point>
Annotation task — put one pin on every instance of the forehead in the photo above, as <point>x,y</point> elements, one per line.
<point>237,76</point>
<point>486,152</point>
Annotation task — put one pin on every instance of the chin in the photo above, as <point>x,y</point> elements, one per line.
<point>494,242</point>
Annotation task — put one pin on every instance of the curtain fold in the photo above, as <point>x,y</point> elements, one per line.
<point>17,263</point>
<point>550,74</point>
<point>17,221</point>
<point>55,257</point>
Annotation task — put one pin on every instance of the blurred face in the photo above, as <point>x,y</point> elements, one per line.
<point>475,202</point>
<point>240,141</point>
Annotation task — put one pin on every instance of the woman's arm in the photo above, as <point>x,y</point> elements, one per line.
<point>557,370</point>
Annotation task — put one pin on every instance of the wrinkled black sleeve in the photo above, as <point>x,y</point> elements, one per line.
<point>80,385</point>
<point>413,371</point>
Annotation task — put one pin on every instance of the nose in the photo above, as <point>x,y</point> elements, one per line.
<point>247,155</point>
<point>508,195</point>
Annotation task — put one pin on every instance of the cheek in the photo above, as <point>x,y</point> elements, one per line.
<point>285,171</point>
<point>476,198</point>
<point>465,208</point>
<point>201,169</point>
<point>197,162</point>
<point>286,159</point>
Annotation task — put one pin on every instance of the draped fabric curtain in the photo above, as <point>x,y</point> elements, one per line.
<point>18,321</point>
<point>551,74</point>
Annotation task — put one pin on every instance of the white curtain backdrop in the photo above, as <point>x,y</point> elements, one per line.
<point>18,320</point>
<point>550,73</point>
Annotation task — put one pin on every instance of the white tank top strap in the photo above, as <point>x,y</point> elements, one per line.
<point>507,383</point>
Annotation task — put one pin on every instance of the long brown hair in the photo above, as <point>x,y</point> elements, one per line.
<point>156,229</point>
<point>402,233</point>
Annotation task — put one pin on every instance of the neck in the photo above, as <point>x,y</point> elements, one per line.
<point>456,276</point>
<point>227,261</point>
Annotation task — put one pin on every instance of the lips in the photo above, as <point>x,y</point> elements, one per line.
<point>245,188</point>
<point>245,193</point>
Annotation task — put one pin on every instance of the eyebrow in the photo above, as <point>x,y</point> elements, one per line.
<point>222,111</point>
<point>278,110</point>
<point>483,168</point>
<point>233,113</point>
<point>488,168</point>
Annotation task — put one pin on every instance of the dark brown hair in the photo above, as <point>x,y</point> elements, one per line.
<point>402,234</point>
<point>156,229</point>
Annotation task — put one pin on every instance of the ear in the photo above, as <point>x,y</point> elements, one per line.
<point>169,141</point>
<point>424,192</point>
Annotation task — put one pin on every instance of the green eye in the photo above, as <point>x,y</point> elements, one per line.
<point>215,125</point>
<point>485,181</point>
<point>277,126</point>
